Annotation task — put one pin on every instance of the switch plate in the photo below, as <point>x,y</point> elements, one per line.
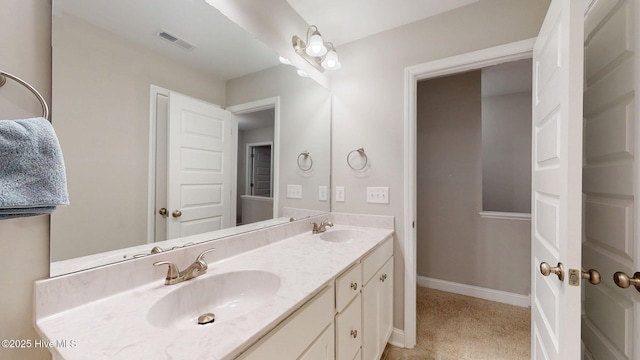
<point>340,193</point>
<point>378,195</point>
<point>322,193</point>
<point>294,191</point>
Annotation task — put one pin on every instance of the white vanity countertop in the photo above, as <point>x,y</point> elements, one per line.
<point>116,327</point>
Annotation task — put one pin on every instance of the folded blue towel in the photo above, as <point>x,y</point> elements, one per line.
<point>32,173</point>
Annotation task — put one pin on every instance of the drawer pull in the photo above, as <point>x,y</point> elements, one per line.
<point>354,333</point>
<point>354,286</point>
<point>383,277</point>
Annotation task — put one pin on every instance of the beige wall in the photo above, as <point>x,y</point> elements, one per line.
<point>101,88</point>
<point>506,152</point>
<point>368,98</point>
<point>454,243</point>
<point>24,243</point>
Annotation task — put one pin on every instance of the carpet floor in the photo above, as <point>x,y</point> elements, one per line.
<point>456,327</point>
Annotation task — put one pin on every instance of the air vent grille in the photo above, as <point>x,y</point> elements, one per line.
<point>175,40</point>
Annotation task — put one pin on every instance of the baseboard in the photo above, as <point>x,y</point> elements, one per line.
<point>397,338</point>
<point>475,291</point>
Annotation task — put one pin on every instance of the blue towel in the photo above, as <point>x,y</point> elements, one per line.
<point>32,173</point>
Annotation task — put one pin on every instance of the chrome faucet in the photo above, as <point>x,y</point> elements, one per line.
<point>175,276</point>
<point>322,227</point>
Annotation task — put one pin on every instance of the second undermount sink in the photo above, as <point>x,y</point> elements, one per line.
<point>227,296</point>
<point>344,235</point>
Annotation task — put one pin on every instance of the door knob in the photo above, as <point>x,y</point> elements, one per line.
<point>622,280</point>
<point>163,211</point>
<point>176,214</point>
<point>593,276</point>
<point>547,269</point>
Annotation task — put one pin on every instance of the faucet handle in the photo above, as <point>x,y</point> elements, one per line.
<point>315,227</point>
<point>173,273</point>
<point>202,254</point>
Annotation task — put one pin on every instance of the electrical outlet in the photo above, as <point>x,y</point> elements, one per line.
<point>294,191</point>
<point>378,195</point>
<point>322,193</point>
<point>340,193</point>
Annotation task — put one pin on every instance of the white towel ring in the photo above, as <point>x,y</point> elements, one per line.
<point>304,156</point>
<point>363,154</point>
<point>43,102</point>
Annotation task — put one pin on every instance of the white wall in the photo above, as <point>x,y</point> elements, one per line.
<point>101,93</point>
<point>25,33</point>
<point>368,99</point>
<point>305,124</point>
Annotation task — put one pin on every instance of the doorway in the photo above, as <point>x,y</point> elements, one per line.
<point>458,64</point>
<point>258,160</point>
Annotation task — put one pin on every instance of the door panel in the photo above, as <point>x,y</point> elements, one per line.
<point>610,321</point>
<point>200,172</point>
<point>556,180</point>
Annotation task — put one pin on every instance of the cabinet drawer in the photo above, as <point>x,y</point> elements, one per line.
<point>348,286</point>
<point>349,330</point>
<point>374,261</point>
<point>290,339</point>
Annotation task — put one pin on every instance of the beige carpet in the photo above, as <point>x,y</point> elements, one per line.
<point>455,327</point>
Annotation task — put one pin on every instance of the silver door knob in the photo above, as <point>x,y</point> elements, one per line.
<point>593,276</point>
<point>176,214</point>
<point>624,281</point>
<point>163,211</point>
<point>547,269</point>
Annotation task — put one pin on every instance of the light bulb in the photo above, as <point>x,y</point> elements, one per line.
<point>331,61</point>
<point>316,46</point>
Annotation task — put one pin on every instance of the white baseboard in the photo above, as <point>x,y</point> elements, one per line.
<point>475,291</point>
<point>397,338</point>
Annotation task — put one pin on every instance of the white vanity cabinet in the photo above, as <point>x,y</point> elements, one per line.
<point>350,320</point>
<point>306,334</point>
<point>377,301</point>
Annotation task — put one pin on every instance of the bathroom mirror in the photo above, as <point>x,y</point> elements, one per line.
<point>120,69</point>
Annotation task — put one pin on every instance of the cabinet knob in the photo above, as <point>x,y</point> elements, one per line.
<point>354,333</point>
<point>354,286</point>
<point>383,277</point>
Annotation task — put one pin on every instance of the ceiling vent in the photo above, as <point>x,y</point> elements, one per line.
<point>176,40</point>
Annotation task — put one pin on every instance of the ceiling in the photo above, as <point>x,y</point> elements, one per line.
<point>343,21</point>
<point>222,48</point>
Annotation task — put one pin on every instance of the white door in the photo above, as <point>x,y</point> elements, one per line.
<point>611,317</point>
<point>202,143</point>
<point>556,181</point>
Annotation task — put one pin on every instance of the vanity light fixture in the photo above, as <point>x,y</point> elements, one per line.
<point>319,53</point>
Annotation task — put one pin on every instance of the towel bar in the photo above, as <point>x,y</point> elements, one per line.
<point>43,102</point>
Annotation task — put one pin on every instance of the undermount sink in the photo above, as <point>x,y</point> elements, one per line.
<point>344,235</point>
<point>226,295</point>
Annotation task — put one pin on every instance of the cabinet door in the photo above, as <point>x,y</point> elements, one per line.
<point>349,330</point>
<point>377,312</point>
<point>386,305</point>
<point>323,348</point>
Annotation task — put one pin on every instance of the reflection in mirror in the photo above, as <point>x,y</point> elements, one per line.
<point>158,106</point>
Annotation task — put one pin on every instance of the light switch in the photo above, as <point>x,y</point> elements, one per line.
<point>294,191</point>
<point>340,193</point>
<point>322,193</point>
<point>378,195</point>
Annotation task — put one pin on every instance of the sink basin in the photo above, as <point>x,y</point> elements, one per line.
<point>226,295</point>
<point>344,235</point>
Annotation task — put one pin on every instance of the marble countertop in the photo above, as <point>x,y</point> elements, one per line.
<point>116,327</point>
